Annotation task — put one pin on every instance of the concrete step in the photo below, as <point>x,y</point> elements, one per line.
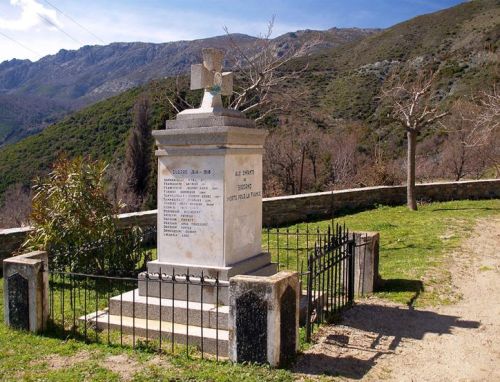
<point>266,270</point>
<point>182,312</point>
<point>213,341</point>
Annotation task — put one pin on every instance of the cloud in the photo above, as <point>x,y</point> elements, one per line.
<point>32,15</point>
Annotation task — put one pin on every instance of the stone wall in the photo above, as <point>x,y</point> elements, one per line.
<point>296,208</point>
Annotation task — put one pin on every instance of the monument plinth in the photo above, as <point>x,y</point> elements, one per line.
<point>210,185</point>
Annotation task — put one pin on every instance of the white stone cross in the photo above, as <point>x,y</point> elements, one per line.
<point>209,76</point>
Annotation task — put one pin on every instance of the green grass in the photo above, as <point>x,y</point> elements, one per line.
<point>412,254</point>
<point>50,357</point>
<point>412,245</point>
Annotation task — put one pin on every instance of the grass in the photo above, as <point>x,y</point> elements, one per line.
<point>50,357</point>
<point>412,256</point>
<point>412,245</point>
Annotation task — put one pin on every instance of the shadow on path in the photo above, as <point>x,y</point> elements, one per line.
<point>369,331</point>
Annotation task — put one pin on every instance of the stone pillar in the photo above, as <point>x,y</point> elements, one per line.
<point>26,288</point>
<point>264,318</point>
<point>366,260</point>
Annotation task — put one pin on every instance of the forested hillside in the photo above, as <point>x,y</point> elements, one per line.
<point>337,133</point>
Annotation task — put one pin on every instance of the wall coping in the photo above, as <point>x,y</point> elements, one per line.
<point>362,189</point>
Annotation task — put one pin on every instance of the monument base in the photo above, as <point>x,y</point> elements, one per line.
<point>259,265</point>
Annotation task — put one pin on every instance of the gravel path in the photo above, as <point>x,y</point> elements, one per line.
<point>383,341</point>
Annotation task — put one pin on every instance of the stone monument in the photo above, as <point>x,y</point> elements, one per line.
<point>210,185</point>
<point>209,223</point>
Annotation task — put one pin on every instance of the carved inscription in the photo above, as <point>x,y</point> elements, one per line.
<point>18,302</point>
<point>187,197</point>
<point>245,186</point>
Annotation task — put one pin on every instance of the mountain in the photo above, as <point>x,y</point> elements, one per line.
<point>340,83</point>
<point>70,80</point>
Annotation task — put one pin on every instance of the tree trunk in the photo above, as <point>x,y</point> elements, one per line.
<point>302,170</point>
<point>410,175</point>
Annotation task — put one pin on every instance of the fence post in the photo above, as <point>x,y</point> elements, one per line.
<point>26,289</point>
<point>264,318</point>
<point>309,298</point>
<point>350,264</point>
<point>366,261</point>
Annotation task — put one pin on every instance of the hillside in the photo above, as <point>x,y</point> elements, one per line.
<point>73,79</point>
<point>340,84</point>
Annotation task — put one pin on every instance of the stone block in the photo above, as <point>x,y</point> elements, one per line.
<point>26,289</point>
<point>366,262</point>
<point>264,318</point>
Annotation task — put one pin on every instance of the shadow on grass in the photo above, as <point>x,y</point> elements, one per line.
<point>370,331</point>
<point>402,285</point>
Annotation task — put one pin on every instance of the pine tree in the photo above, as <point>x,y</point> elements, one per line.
<point>138,153</point>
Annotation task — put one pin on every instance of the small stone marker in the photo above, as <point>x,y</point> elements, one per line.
<point>26,290</point>
<point>264,318</point>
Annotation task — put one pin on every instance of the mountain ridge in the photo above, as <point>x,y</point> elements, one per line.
<point>72,79</point>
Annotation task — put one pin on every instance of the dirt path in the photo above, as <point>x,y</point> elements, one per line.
<point>383,341</point>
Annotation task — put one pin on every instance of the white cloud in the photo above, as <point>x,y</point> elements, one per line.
<point>32,15</point>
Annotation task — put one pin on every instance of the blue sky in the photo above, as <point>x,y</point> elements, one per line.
<point>38,29</point>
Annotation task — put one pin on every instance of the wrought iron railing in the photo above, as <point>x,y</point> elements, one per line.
<point>110,309</point>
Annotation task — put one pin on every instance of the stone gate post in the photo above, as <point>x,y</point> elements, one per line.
<point>25,292</point>
<point>366,262</point>
<point>264,318</point>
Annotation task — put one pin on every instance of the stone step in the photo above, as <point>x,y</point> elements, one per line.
<point>151,287</point>
<point>213,341</point>
<point>181,291</point>
<point>266,270</point>
<point>182,312</point>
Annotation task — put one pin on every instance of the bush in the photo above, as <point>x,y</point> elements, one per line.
<point>75,222</point>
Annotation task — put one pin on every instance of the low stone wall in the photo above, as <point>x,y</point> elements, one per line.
<point>291,209</point>
<point>296,208</point>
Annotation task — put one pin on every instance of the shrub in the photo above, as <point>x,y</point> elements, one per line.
<point>75,222</point>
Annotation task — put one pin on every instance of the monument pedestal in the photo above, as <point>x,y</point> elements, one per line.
<point>209,200</point>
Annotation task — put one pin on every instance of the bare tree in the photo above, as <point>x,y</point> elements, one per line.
<point>282,159</point>
<point>412,105</point>
<point>472,128</point>
<point>16,206</point>
<point>262,70</point>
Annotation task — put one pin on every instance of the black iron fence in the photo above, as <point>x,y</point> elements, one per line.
<point>324,258</point>
<point>175,313</point>
<point>158,311</point>
<point>330,277</point>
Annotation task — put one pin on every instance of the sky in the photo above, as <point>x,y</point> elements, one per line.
<point>34,28</point>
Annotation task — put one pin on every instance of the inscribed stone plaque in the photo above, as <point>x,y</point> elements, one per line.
<point>18,302</point>
<point>251,328</point>
<point>243,206</point>
<point>288,325</point>
<point>190,200</point>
